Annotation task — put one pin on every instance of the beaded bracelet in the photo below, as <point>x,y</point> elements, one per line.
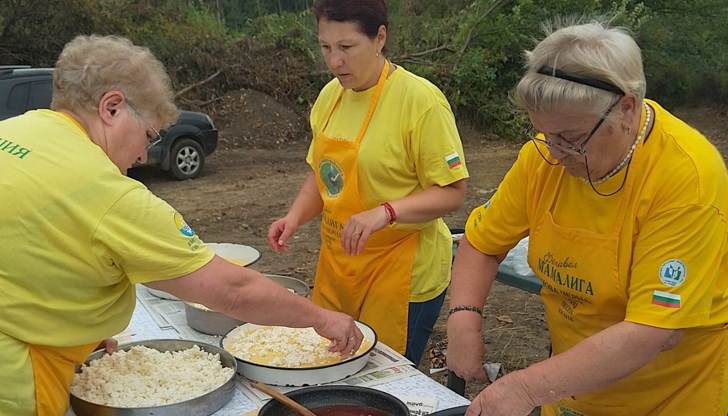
<point>470,308</point>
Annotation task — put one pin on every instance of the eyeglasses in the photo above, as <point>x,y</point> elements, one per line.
<point>532,135</point>
<point>157,136</point>
<point>562,145</point>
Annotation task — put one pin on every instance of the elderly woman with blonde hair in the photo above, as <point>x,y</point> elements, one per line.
<point>625,207</point>
<point>78,234</point>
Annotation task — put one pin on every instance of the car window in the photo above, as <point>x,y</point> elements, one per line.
<point>40,94</point>
<point>18,97</point>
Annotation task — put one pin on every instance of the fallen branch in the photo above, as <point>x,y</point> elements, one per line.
<point>197,84</point>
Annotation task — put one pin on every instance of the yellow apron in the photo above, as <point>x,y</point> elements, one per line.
<point>53,369</point>
<point>374,286</point>
<point>583,294</point>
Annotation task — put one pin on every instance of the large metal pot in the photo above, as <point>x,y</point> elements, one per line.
<point>207,321</point>
<point>306,376</point>
<point>203,405</point>
<point>325,396</point>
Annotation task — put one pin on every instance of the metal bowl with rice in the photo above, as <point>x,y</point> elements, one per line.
<point>85,402</point>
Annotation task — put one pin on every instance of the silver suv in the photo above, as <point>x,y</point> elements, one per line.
<point>184,145</point>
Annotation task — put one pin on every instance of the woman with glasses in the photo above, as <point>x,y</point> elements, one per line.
<point>387,164</point>
<point>78,234</point>
<point>625,207</point>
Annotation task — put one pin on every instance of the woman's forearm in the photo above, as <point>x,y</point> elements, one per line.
<point>308,203</point>
<point>430,204</point>
<point>473,274</point>
<point>596,362</point>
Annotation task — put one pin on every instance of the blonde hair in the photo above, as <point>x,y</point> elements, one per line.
<point>593,51</point>
<point>90,66</point>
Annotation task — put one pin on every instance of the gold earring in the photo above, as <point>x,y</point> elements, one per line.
<point>377,54</point>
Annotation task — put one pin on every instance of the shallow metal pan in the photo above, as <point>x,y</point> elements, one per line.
<point>206,404</point>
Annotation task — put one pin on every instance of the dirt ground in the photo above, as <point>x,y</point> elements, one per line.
<point>255,174</point>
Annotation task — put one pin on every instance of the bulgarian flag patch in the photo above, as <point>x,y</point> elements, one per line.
<point>453,160</point>
<point>665,299</point>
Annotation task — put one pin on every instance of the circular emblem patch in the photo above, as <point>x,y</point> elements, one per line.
<point>673,272</point>
<point>182,225</point>
<point>331,177</point>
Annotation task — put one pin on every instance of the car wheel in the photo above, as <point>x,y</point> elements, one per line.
<point>187,159</point>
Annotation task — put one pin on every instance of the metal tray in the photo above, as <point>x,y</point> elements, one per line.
<point>206,404</point>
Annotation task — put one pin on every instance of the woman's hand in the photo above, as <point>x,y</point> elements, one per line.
<point>341,329</point>
<point>109,345</point>
<point>360,226</point>
<point>279,232</point>
<point>506,397</point>
<point>465,347</point>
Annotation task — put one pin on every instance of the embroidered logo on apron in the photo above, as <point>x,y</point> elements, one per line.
<point>331,176</point>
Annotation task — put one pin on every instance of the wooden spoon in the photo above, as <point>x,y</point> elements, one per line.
<point>294,405</point>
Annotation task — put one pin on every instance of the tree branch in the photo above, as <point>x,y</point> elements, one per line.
<point>411,56</point>
<point>197,84</point>
<point>482,17</point>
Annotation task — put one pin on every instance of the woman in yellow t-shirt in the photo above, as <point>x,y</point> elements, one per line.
<point>78,234</point>
<point>387,164</point>
<point>625,207</point>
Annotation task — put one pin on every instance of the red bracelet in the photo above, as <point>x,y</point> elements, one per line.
<point>391,215</point>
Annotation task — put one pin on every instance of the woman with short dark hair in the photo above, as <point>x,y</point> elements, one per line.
<point>387,164</point>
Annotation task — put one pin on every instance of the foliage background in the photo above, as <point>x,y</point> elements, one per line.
<point>472,49</point>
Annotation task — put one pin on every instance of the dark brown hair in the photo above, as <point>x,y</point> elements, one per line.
<point>369,15</point>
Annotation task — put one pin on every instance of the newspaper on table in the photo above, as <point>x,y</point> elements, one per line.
<point>420,406</point>
<point>157,307</point>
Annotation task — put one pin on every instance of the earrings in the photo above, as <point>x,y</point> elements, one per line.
<point>377,54</point>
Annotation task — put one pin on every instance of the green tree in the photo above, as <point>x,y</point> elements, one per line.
<point>471,49</point>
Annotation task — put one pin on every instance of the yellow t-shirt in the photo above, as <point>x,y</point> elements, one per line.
<point>77,235</point>
<point>411,143</point>
<point>676,217</point>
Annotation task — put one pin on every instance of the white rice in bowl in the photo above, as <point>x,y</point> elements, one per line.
<point>145,377</point>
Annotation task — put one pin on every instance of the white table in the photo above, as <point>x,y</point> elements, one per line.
<point>416,385</point>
